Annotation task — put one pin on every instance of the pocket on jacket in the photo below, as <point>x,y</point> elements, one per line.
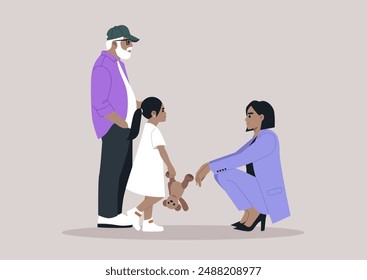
<point>274,191</point>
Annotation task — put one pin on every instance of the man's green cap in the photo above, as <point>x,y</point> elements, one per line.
<point>120,31</point>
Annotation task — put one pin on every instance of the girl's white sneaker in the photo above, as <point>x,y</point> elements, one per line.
<point>134,218</point>
<point>150,226</point>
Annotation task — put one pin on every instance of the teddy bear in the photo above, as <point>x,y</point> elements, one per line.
<point>176,190</point>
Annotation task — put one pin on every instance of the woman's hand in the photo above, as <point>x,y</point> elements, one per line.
<point>202,172</point>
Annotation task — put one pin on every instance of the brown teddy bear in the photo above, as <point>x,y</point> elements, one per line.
<point>176,190</point>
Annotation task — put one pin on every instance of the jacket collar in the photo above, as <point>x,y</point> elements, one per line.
<point>262,131</point>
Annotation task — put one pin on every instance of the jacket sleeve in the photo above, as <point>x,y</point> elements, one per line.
<point>262,147</point>
<point>101,86</point>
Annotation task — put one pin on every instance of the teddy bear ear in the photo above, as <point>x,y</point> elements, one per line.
<point>164,202</point>
<point>178,208</point>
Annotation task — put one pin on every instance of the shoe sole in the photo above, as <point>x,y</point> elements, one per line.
<point>152,230</point>
<point>137,228</point>
<point>112,226</point>
<point>241,229</point>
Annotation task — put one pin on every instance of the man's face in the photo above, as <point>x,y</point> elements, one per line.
<point>124,48</point>
<point>125,44</point>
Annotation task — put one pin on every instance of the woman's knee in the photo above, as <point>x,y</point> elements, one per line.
<point>224,176</point>
<point>234,177</point>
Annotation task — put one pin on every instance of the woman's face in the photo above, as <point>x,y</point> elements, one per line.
<point>253,119</point>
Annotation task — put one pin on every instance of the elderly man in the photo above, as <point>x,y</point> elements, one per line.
<point>113,107</point>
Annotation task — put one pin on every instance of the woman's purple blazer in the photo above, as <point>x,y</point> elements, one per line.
<point>264,154</point>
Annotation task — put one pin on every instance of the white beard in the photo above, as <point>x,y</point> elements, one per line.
<point>123,54</point>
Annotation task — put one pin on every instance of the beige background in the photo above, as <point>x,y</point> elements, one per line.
<point>206,60</point>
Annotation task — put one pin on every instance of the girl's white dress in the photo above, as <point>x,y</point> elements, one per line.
<point>147,174</point>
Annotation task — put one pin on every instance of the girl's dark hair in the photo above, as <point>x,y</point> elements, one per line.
<point>263,108</point>
<point>149,105</point>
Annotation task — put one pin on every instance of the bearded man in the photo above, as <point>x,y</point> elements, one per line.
<point>113,107</point>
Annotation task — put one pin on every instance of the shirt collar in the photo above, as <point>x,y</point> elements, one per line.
<point>110,56</point>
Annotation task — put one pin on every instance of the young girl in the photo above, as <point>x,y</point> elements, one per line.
<point>147,174</point>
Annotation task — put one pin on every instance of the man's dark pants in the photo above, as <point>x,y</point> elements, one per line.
<point>116,163</point>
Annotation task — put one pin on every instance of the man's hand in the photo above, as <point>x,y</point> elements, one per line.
<point>202,172</point>
<point>113,117</point>
<point>122,123</point>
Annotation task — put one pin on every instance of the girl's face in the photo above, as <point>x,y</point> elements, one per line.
<point>253,119</point>
<point>162,116</point>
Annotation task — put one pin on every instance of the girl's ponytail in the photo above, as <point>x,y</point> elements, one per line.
<point>135,125</point>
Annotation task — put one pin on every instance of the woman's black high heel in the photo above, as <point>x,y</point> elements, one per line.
<point>236,224</point>
<point>261,218</point>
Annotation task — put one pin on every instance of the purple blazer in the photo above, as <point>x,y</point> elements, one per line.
<point>264,154</point>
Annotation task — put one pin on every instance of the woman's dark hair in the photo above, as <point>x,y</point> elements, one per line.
<point>263,108</point>
<point>148,105</point>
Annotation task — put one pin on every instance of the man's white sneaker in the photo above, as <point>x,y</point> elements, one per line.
<point>119,221</point>
<point>134,217</point>
<point>150,226</point>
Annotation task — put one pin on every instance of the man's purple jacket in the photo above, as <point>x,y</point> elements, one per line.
<point>108,92</point>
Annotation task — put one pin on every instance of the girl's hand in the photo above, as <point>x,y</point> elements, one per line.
<point>171,172</point>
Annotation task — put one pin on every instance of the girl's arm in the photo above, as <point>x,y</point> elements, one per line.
<point>164,155</point>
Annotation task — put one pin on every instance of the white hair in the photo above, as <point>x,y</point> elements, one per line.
<point>109,42</point>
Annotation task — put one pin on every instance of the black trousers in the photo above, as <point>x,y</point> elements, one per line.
<point>116,163</point>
